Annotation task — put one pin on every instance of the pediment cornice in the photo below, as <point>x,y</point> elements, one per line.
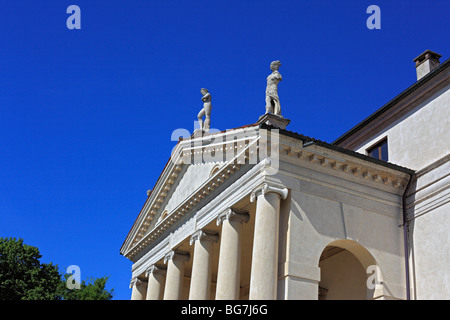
<point>140,236</point>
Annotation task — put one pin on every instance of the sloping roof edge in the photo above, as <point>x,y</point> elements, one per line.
<point>337,148</point>
<point>391,103</point>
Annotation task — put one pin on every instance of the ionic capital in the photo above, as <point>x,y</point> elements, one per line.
<point>137,282</point>
<point>203,236</point>
<point>176,255</point>
<point>265,188</point>
<point>153,269</point>
<point>232,215</point>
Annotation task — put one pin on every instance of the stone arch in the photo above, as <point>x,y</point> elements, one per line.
<point>348,271</point>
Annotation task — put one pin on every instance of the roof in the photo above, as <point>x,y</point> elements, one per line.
<point>393,102</point>
<point>308,140</point>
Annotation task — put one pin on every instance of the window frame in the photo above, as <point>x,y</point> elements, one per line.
<point>378,145</point>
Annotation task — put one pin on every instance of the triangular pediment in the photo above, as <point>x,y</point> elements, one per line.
<point>190,178</point>
<point>184,182</point>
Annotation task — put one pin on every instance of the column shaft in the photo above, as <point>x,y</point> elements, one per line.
<point>264,271</point>
<point>201,266</point>
<point>156,281</point>
<point>228,276</point>
<point>138,289</point>
<point>175,275</point>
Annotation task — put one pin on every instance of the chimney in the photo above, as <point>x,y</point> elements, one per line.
<point>426,62</point>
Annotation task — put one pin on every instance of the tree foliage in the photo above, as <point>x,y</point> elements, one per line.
<point>24,277</point>
<point>93,290</point>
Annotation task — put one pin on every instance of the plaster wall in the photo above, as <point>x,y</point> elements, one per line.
<point>420,137</point>
<point>418,141</point>
<point>429,213</point>
<point>431,255</point>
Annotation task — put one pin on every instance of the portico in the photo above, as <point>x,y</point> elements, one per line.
<point>245,231</point>
<point>216,260</point>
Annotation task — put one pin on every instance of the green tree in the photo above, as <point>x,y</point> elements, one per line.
<point>93,290</point>
<point>24,277</point>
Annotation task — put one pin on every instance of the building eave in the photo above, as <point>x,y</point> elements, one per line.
<point>309,141</point>
<point>391,104</point>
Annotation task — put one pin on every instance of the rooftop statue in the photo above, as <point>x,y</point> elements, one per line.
<point>272,100</point>
<point>206,110</point>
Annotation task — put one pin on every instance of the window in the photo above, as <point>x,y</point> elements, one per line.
<point>379,151</point>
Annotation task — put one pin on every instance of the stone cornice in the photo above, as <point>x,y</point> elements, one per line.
<point>353,167</point>
<point>152,204</point>
<point>143,237</point>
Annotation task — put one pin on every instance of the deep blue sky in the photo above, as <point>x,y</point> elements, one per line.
<point>86,115</point>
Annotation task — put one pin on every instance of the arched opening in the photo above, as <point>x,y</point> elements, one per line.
<point>343,272</point>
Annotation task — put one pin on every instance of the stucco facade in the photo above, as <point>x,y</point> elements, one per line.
<point>416,125</point>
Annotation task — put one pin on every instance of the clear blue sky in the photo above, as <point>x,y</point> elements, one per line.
<point>86,115</point>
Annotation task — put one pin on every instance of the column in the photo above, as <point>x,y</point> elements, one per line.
<point>264,270</point>
<point>156,280</point>
<point>201,265</point>
<point>175,274</point>
<point>138,289</point>
<point>228,276</point>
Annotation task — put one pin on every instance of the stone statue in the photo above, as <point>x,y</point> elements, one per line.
<point>272,100</point>
<point>206,111</point>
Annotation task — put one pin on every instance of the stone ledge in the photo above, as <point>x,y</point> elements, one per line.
<point>276,121</point>
<point>298,270</point>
